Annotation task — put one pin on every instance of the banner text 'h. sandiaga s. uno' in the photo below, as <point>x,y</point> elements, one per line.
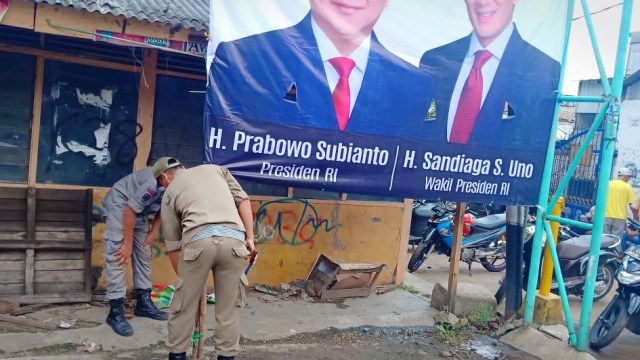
<point>440,99</point>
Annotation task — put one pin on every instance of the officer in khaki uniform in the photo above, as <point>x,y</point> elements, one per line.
<point>207,225</point>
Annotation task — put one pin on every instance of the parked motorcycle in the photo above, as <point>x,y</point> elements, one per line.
<point>484,243</point>
<point>624,309</point>
<point>573,254</point>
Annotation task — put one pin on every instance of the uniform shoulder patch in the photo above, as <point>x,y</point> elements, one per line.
<point>147,195</point>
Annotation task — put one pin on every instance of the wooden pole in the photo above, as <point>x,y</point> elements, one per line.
<point>201,321</point>
<point>456,250</point>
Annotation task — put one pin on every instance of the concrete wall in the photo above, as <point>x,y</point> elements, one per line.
<point>292,233</point>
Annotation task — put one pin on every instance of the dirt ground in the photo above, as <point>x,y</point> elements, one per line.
<point>368,343</point>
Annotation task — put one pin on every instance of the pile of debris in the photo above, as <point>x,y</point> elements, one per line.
<point>297,290</point>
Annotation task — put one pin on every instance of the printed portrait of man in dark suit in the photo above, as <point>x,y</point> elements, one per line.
<point>328,71</point>
<point>492,88</point>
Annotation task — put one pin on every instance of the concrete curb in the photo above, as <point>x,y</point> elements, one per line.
<point>536,343</point>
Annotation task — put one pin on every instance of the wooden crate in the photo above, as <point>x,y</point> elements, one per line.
<point>45,245</point>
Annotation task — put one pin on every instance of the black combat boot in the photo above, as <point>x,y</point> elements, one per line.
<point>220,357</point>
<point>178,356</point>
<point>116,318</point>
<point>146,308</point>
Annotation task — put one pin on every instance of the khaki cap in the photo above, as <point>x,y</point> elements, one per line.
<point>163,164</point>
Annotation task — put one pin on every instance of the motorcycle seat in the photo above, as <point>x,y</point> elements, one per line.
<point>490,222</point>
<point>577,247</point>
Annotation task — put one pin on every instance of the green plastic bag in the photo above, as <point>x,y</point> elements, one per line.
<point>164,297</point>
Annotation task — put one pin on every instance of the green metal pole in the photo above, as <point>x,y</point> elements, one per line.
<point>568,317</point>
<point>543,197</point>
<point>578,157</point>
<point>604,80</point>
<point>611,129</point>
<point>592,99</point>
<point>565,221</point>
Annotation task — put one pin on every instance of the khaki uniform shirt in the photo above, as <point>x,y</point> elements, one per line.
<point>199,196</point>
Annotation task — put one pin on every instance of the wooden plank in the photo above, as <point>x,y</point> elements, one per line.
<point>58,287</point>
<point>62,217</point>
<point>63,276</point>
<point>29,272</point>
<point>31,213</point>
<point>77,236</point>
<point>10,215</point>
<point>88,220</point>
<point>12,266</point>
<point>60,206</point>
<point>59,226</point>
<point>35,122</point>
<point>11,289</point>
<point>27,322</point>
<point>13,193</point>
<point>66,245</point>
<point>60,194</point>
<point>12,277</point>
<point>456,250</point>
<point>49,298</point>
<point>404,242</point>
<point>20,14</point>
<point>13,226</point>
<point>13,204</point>
<point>181,75</point>
<point>59,265</point>
<point>12,255</point>
<point>16,235</point>
<point>22,310</point>
<point>60,255</point>
<point>146,107</point>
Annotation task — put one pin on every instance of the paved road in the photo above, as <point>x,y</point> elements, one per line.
<point>436,269</point>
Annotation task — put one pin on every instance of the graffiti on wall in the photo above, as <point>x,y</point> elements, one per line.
<point>295,225</point>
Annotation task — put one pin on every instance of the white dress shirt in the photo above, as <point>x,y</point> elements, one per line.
<point>328,51</point>
<point>497,47</point>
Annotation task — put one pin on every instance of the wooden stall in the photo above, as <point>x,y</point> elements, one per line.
<point>45,244</point>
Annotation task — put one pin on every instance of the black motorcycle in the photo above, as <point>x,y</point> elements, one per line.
<point>624,309</point>
<point>573,254</point>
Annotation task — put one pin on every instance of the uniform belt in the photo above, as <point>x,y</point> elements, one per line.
<point>218,230</point>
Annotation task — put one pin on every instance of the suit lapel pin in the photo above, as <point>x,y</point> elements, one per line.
<point>431,112</point>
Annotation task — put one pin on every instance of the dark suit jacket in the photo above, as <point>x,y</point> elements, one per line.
<point>250,79</point>
<point>527,79</point>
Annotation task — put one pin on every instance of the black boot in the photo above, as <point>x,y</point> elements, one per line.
<point>220,357</point>
<point>116,318</point>
<point>146,308</point>
<point>178,356</point>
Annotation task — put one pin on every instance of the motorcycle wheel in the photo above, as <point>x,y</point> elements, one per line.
<point>609,324</point>
<point>420,255</point>
<point>606,275</point>
<point>496,263</point>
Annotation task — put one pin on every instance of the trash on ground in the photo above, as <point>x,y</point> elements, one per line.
<point>89,347</point>
<point>162,295</point>
<point>63,324</point>
<point>332,279</point>
<point>211,298</point>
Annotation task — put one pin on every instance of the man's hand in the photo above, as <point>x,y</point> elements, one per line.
<point>251,246</point>
<point>123,255</point>
<point>151,239</point>
<point>632,232</point>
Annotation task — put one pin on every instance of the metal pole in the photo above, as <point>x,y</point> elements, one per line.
<point>596,49</point>
<point>516,217</point>
<point>568,317</point>
<point>543,197</point>
<point>547,264</point>
<point>610,133</point>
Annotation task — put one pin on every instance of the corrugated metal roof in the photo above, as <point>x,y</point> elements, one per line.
<point>187,13</point>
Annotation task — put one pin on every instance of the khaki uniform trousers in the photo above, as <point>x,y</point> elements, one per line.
<point>225,256</point>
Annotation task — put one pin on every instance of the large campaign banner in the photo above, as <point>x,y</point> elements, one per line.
<point>439,99</point>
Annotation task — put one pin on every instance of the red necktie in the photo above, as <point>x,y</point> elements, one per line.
<point>341,94</point>
<point>470,101</point>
